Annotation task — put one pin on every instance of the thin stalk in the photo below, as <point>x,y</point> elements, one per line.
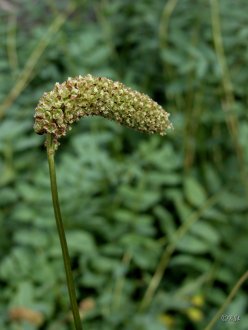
<point>217,316</point>
<point>169,250</point>
<point>61,232</point>
<point>30,65</point>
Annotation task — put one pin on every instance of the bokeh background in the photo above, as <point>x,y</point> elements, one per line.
<point>156,226</point>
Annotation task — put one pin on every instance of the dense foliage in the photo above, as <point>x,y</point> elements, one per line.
<point>157,226</point>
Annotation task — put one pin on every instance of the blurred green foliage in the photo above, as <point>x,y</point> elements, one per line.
<point>133,205</point>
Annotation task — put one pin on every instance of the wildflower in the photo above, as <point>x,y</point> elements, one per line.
<point>97,96</point>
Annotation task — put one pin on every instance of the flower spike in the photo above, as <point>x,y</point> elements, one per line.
<point>97,96</point>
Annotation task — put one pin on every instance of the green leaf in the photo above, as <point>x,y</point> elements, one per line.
<point>166,220</point>
<point>7,196</point>
<point>103,264</point>
<point>232,202</point>
<point>138,199</point>
<point>24,296</point>
<point>192,244</point>
<point>206,232</point>
<point>34,237</point>
<point>194,192</point>
<point>186,260</point>
<point>80,242</point>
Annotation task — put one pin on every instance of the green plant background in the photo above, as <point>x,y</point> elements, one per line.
<point>133,205</point>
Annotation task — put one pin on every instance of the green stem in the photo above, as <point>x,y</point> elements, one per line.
<point>61,232</point>
<point>217,316</point>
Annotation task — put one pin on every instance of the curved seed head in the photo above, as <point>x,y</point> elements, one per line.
<point>97,96</point>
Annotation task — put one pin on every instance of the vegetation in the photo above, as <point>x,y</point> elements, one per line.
<point>156,226</point>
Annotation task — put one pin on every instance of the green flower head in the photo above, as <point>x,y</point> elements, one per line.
<point>97,96</point>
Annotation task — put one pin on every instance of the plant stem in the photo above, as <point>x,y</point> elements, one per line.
<point>27,72</point>
<point>169,250</point>
<point>61,232</point>
<point>242,279</point>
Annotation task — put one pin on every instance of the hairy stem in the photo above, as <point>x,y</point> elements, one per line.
<point>61,232</point>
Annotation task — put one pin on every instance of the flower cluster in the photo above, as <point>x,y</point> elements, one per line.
<point>86,96</point>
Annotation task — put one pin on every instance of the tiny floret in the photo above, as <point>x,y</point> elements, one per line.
<point>97,96</point>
